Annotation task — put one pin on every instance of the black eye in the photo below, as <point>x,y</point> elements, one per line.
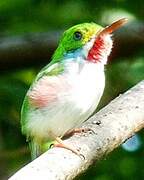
<point>77,36</point>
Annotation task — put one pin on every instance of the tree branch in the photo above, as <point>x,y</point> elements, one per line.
<point>112,125</point>
<point>31,49</point>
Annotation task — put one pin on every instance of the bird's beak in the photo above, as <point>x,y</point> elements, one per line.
<point>113,27</point>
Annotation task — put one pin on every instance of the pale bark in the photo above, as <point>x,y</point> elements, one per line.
<point>112,125</point>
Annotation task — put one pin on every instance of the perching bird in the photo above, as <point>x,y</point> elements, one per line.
<point>67,91</point>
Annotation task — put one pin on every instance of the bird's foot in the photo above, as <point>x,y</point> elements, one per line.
<point>61,144</point>
<point>77,131</point>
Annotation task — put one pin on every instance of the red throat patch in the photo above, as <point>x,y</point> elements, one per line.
<point>100,49</point>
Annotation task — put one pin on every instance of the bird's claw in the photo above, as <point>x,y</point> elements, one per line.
<point>85,130</point>
<point>65,146</point>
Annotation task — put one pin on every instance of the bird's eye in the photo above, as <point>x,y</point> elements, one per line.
<point>77,36</point>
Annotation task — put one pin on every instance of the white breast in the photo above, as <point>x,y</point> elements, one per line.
<point>88,86</point>
<point>72,108</point>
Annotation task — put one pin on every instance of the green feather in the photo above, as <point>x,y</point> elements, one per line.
<point>25,108</point>
<point>51,70</point>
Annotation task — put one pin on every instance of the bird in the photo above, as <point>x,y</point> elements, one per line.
<point>66,92</point>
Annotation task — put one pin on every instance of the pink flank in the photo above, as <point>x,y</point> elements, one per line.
<point>47,90</point>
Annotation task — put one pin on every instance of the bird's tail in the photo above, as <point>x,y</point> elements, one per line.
<point>36,149</point>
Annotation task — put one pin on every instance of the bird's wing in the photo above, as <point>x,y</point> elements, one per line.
<point>47,86</point>
<point>45,89</point>
<point>51,70</point>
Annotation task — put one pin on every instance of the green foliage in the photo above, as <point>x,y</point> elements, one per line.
<point>18,17</point>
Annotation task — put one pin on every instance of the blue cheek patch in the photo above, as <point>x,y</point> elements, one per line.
<point>73,54</point>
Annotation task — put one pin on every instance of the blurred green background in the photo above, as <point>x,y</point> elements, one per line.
<point>19,21</point>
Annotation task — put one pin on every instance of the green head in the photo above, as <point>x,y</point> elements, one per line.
<point>76,37</point>
<point>93,41</point>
